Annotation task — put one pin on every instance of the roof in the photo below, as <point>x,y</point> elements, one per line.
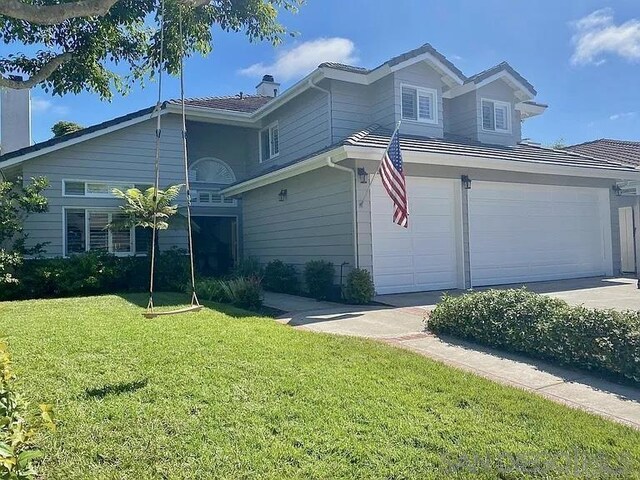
<point>77,134</point>
<point>501,67</point>
<point>235,103</point>
<point>625,152</point>
<point>426,48</point>
<point>377,137</point>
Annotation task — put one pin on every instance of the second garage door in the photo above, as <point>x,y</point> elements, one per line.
<point>425,255</point>
<point>525,233</point>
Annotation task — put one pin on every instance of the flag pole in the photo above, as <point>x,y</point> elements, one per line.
<point>380,164</point>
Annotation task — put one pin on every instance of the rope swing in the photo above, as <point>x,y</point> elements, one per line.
<point>195,304</point>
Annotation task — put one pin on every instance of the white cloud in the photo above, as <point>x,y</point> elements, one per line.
<point>623,116</point>
<point>305,57</point>
<point>44,105</point>
<point>597,35</point>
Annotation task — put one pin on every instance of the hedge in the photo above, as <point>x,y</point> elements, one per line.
<point>603,341</point>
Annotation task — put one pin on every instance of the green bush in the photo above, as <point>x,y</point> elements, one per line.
<point>18,452</point>
<point>248,267</point>
<point>318,276</point>
<point>605,341</point>
<point>359,288</point>
<point>280,277</point>
<point>95,273</point>
<point>243,292</point>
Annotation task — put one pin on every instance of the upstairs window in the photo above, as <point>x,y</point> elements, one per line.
<point>496,116</point>
<point>419,104</point>
<point>269,142</point>
<point>75,188</point>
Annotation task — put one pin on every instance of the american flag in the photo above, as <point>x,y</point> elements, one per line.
<point>392,176</point>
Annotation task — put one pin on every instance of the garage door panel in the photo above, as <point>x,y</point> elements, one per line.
<point>422,257</point>
<point>522,232</point>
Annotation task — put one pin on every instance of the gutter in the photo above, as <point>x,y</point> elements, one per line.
<point>329,105</point>
<point>355,207</point>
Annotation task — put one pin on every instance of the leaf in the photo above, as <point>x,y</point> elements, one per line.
<point>28,456</point>
<point>46,413</point>
<point>5,451</point>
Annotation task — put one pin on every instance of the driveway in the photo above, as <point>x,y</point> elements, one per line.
<point>598,292</point>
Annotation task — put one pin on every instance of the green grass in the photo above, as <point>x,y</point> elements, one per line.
<point>213,395</point>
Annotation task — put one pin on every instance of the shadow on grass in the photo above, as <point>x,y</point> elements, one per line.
<point>115,389</point>
<point>174,300</point>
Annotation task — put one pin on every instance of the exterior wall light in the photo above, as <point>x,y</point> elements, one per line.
<point>617,189</point>
<point>466,182</point>
<point>363,175</point>
<point>282,195</point>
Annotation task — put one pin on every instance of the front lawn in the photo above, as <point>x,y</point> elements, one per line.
<point>210,395</point>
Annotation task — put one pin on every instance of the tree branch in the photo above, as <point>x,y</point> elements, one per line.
<point>45,71</point>
<point>58,13</point>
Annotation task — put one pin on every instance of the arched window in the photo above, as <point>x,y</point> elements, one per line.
<point>211,170</point>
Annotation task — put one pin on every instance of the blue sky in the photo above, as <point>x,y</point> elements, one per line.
<point>583,57</point>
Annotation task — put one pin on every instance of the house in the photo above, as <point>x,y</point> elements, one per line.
<point>627,153</point>
<point>285,175</point>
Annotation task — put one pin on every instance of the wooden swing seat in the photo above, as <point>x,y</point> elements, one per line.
<point>192,308</point>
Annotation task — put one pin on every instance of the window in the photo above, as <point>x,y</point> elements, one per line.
<point>211,197</point>
<point>74,188</point>
<point>269,142</point>
<point>419,104</point>
<point>211,170</point>
<point>87,230</point>
<point>496,116</point>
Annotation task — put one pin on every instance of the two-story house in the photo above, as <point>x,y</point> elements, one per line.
<point>291,175</point>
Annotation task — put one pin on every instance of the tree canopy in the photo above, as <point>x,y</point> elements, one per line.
<point>63,128</point>
<point>104,46</point>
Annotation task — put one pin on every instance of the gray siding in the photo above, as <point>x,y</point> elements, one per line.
<point>419,75</point>
<point>314,222</point>
<point>303,125</point>
<point>383,109</point>
<point>461,115</point>
<point>351,107</point>
<point>126,155</point>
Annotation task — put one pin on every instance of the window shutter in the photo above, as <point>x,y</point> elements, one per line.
<point>409,108</point>
<point>98,233</point>
<point>501,118</point>
<point>487,115</point>
<point>425,106</point>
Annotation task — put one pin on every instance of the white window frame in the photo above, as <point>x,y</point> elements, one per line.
<point>270,129</point>
<point>110,184</point>
<point>496,103</point>
<point>195,198</point>
<point>424,91</point>
<point>87,210</point>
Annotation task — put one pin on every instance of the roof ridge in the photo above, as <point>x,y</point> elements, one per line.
<point>566,151</point>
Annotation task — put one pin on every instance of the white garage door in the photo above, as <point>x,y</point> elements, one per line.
<point>423,256</point>
<point>521,232</point>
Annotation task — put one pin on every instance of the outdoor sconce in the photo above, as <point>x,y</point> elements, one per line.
<point>466,182</point>
<point>363,175</point>
<point>283,195</point>
<point>617,190</point>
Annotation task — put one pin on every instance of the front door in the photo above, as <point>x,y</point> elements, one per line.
<point>627,243</point>
<point>214,245</point>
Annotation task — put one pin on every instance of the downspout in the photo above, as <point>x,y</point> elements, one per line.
<point>355,207</point>
<point>329,106</point>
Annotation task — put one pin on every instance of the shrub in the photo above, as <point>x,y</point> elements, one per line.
<point>172,270</point>
<point>359,288</point>
<point>243,292</point>
<point>18,451</point>
<point>210,289</point>
<point>605,341</point>
<point>280,277</point>
<point>318,276</point>
<point>248,267</point>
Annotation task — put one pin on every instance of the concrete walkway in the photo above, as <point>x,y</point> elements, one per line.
<point>404,327</point>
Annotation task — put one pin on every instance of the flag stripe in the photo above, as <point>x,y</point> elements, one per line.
<point>393,180</point>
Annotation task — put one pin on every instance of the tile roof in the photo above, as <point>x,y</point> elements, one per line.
<point>478,77</point>
<point>234,103</point>
<point>426,48</point>
<point>79,133</point>
<point>622,151</point>
<point>377,137</point>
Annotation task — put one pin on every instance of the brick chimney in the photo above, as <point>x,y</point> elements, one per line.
<point>15,119</point>
<point>268,87</point>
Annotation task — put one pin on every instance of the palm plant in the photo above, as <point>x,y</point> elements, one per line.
<point>149,208</point>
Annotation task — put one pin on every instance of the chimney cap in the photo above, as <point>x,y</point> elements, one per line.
<point>267,78</point>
